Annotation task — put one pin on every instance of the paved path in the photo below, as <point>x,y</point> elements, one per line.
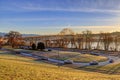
<point>116,59</point>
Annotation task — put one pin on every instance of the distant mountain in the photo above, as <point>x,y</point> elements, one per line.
<point>24,35</point>
<point>2,34</point>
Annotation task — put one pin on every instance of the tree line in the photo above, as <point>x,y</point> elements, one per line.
<point>104,39</point>
<point>84,40</point>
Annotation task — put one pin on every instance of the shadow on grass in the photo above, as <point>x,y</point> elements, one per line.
<point>101,69</point>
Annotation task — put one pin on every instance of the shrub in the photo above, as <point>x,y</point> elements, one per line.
<point>40,46</point>
<point>33,46</point>
<point>49,50</point>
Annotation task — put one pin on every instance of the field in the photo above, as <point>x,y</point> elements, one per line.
<point>13,67</point>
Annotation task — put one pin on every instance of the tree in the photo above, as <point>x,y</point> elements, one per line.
<point>99,40</point>
<point>33,46</point>
<point>87,36</point>
<point>14,37</point>
<point>67,32</point>
<point>1,41</point>
<point>80,42</point>
<point>40,46</point>
<point>116,42</point>
<point>107,39</point>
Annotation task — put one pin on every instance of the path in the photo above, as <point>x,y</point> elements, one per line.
<point>116,59</point>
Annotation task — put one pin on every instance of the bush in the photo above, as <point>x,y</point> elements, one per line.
<point>40,46</point>
<point>68,61</point>
<point>49,50</point>
<point>17,52</point>
<point>33,46</point>
<point>0,47</point>
<point>93,63</point>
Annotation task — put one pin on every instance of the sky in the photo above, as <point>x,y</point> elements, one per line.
<point>51,16</point>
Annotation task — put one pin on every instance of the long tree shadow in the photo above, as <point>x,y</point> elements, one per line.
<point>101,69</point>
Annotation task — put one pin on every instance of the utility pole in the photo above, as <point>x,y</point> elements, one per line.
<point>58,58</point>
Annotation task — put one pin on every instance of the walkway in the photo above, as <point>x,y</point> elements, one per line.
<point>116,59</point>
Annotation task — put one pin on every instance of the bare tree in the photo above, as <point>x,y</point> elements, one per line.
<point>87,36</point>
<point>107,39</point>
<point>14,38</point>
<point>79,40</point>
<point>1,41</point>
<point>67,32</point>
<point>116,42</point>
<point>100,41</point>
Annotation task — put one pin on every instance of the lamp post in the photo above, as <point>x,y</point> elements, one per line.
<point>58,59</point>
<point>58,55</point>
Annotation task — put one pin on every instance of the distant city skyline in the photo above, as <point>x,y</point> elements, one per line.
<point>51,16</point>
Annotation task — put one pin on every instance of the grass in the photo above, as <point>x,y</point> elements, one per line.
<point>108,69</point>
<point>64,55</point>
<point>13,67</point>
<point>88,58</point>
<point>77,57</point>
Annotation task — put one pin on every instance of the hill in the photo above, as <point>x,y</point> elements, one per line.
<point>2,34</point>
<point>24,35</point>
<point>19,68</point>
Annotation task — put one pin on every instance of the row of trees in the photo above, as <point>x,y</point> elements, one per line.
<point>84,40</point>
<point>87,39</point>
<point>15,40</point>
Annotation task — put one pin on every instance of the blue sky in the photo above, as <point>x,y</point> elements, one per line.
<point>50,16</point>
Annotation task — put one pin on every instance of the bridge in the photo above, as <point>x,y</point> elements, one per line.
<point>62,39</point>
<point>65,37</point>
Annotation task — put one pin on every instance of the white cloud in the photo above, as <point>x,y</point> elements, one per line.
<point>104,6</point>
<point>59,18</point>
<point>71,9</point>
